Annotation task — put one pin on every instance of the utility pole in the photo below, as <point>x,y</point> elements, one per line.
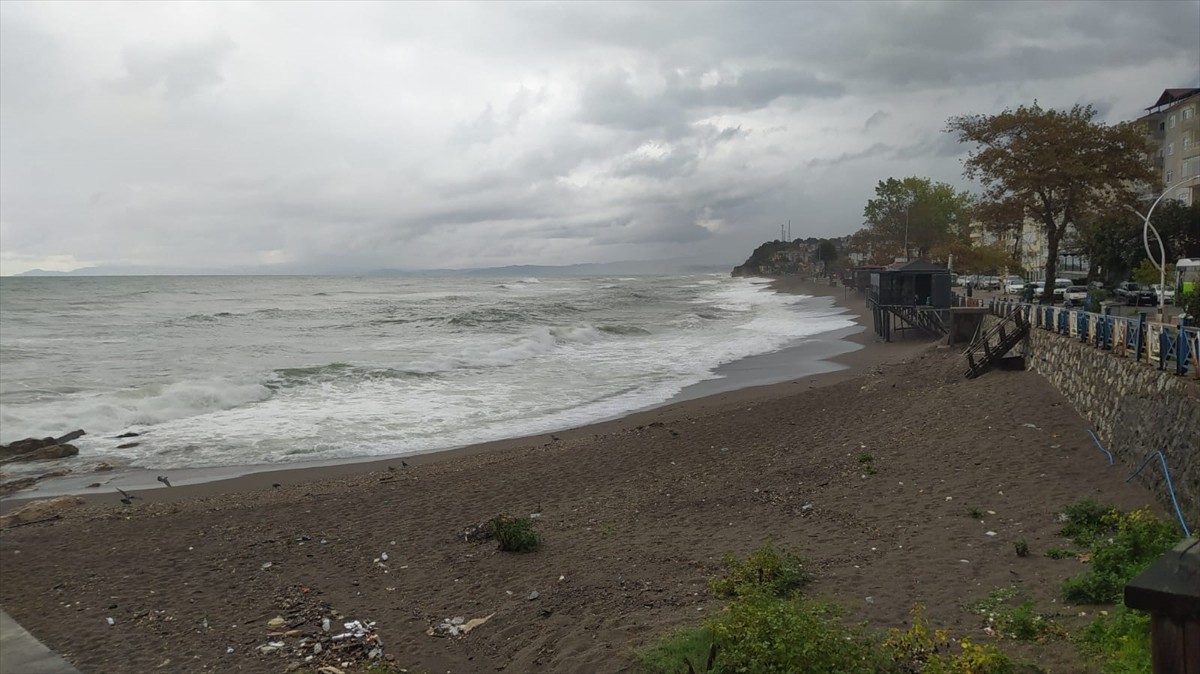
<point>789,229</point>
<point>781,231</point>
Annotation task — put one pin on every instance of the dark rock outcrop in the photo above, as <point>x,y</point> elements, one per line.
<point>35,449</point>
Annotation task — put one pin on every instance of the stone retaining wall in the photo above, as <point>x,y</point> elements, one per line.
<point>1134,408</point>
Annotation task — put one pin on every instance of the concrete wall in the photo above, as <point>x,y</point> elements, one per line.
<point>1134,408</point>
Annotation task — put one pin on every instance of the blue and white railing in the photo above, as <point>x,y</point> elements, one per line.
<point>1170,346</point>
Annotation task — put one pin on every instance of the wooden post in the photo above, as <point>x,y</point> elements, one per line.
<point>1170,590</point>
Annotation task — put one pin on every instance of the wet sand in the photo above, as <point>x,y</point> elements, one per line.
<point>635,513</point>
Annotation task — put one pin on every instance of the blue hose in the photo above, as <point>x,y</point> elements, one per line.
<point>1170,487</point>
<point>1097,441</point>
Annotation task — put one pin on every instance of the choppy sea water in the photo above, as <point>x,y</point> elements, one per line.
<point>235,371</point>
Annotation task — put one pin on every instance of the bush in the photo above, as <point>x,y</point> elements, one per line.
<point>1121,641</point>
<point>1059,553</point>
<point>516,534</point>
<point>769,569</point>
<point>1085,521</point>
<point>1139,539</point>
<point>684,648</point>
<point>1021,622</point>
<point>921,649</point>
<point>768,635</point>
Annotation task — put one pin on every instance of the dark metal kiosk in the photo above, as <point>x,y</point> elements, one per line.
<point>910,296</point>
<point>1170,590</point>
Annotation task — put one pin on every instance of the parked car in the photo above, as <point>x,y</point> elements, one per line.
<point>1164,293</point>
<point>1134,295</point>
<point>1060,287</point>
<point>1013,285</point>
<point>1075,296</point>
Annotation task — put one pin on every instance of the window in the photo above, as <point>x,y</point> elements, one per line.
<point>1170,149</point>
<point>1189,112</point>
<point>1189,167</point>
<point>1172,119</point>
<point>1187,139</point>
<point>1170,177</point>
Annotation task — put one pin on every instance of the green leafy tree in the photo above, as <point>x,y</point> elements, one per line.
<point>1058,168</point>
<point>1148,274</point>
<point>827,253</point>
<point>1113,245</point>
<point>917,211</point>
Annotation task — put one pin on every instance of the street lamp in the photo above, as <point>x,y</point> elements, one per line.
<point>1162,252</point>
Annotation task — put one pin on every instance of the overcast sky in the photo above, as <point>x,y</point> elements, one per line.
<point>344,137</point>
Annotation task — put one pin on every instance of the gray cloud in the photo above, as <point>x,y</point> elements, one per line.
<point>342,137</point>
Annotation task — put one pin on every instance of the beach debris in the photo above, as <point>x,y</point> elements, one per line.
<point>102,467</point>
<point>310,634</point>
<point>1034,426</point>
<point>456,626</point>
<point>989,533</point>
<point>110,621</point>
<point>229,650</point>
<point>162,478</point>
<point>126,498</point>
<point>533,595</point>
<point>478,532</point>
<point>265,566</point>
<point>303,537</point>
<point>93,485</point>
<point>39,511</point>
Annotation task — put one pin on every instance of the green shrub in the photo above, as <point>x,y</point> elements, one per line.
<point>683,648</point>
<point>768,635</point>
<point>921,649</point>
<point>1138,539</point>
<point>516,534</point>
<point>1022,548</point>
<point>1120,641</point>
<point>1058,553</point>
<point>769,569</point>
<point>1021,622</point>
<point>1085,521</point>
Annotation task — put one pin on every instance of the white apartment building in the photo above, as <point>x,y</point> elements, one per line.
<point>1173,123</point>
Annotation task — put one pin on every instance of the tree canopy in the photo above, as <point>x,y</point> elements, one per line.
<point>1057,168</point>
<point>912,210</point>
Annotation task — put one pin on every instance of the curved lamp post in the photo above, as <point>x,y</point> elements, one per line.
<point>1162,252</point>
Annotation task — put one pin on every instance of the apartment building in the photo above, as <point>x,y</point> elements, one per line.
<point>1173,123</point>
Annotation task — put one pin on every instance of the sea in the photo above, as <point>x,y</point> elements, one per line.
<point>221,371</point>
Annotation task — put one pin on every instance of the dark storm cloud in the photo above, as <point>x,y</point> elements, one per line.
<point>405,134</point>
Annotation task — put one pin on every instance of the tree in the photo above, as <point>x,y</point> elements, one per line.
<point>1114,244</point>
<point>917,213</point>
<point>990,259</point>
<point>826,253</point>
<point>1058,168</point>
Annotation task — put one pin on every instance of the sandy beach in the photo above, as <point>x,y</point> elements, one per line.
<point>635,513</point>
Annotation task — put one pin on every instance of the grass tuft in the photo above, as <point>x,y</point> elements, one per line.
<point>516,534</point>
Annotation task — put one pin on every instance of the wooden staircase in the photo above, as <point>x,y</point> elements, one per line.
<point>996,343</point>
<point>925,319</point>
